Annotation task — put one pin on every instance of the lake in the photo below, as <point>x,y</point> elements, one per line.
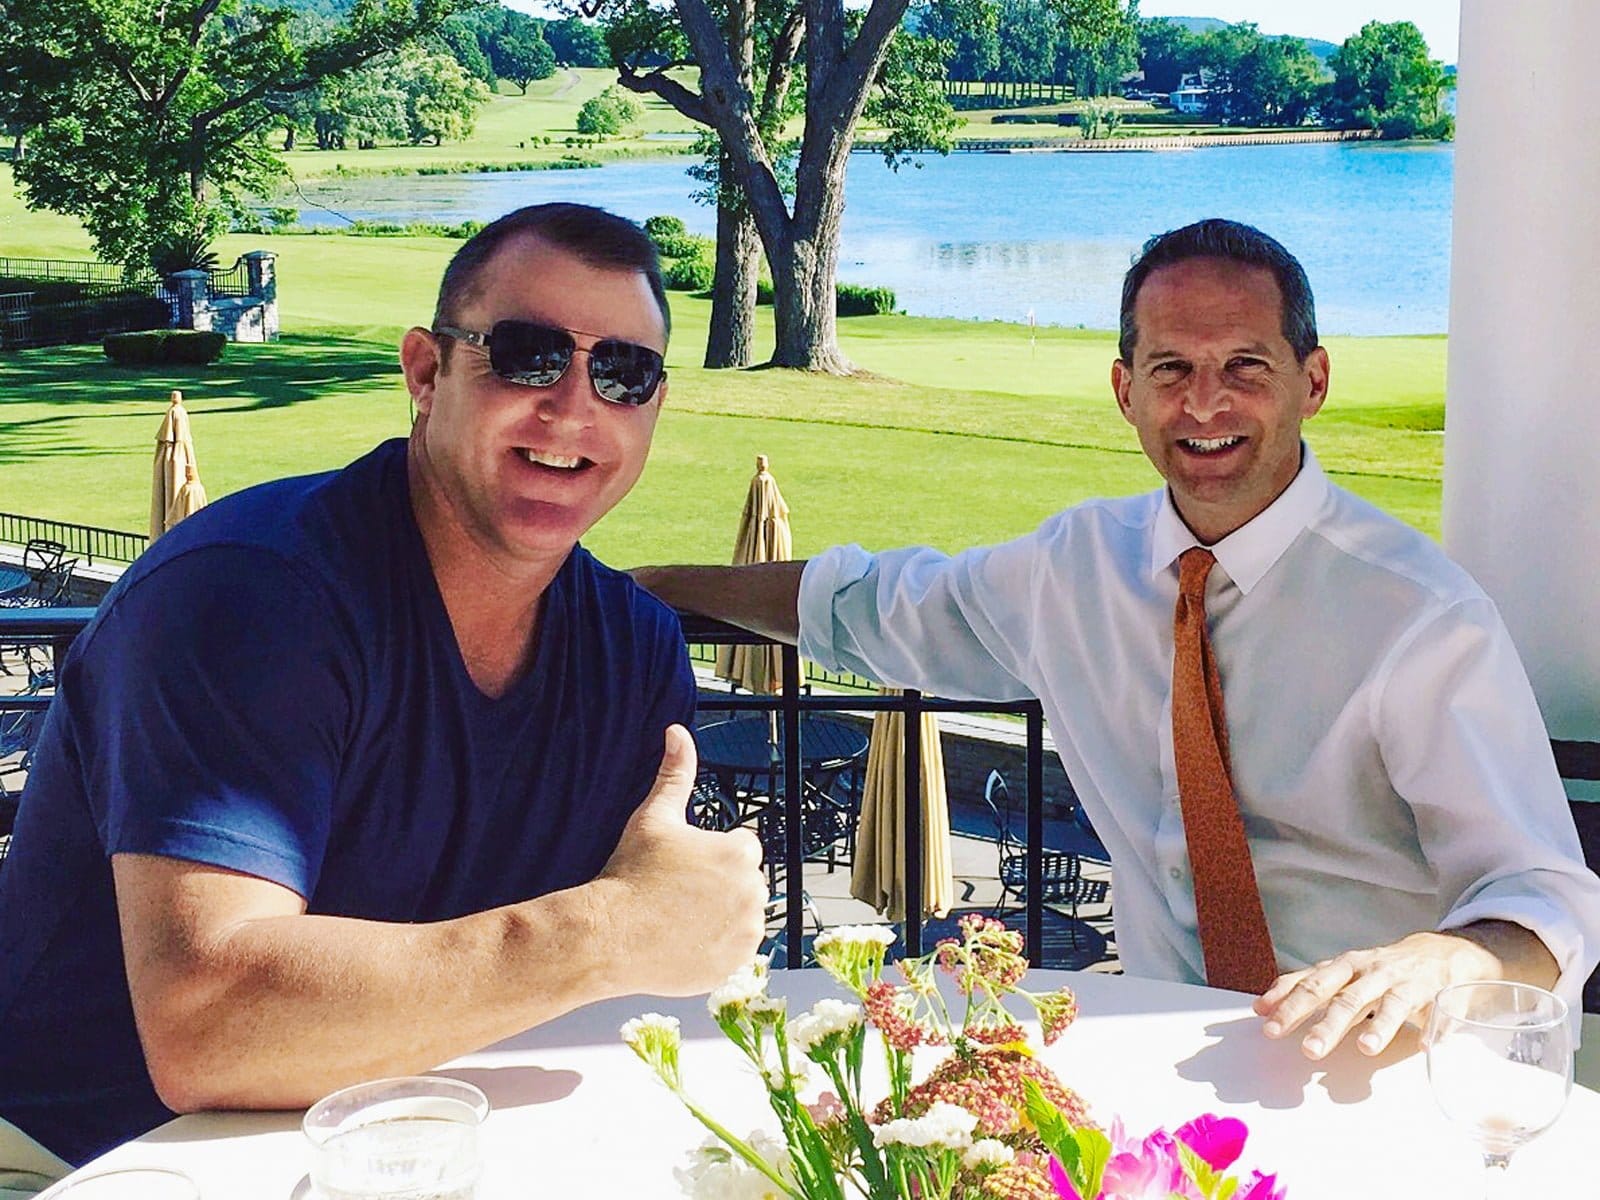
<point>1000,236</point>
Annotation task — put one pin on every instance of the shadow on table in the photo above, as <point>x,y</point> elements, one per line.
<point>1245,1067</point>
<point>516,1087</point>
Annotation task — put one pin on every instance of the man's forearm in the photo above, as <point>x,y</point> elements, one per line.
<point>1522,955</point>
<point>762,597</point>
<point>289,1008</point>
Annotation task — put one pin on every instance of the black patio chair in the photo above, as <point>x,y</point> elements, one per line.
<point>1063,879</point>
<point>709,807</point>
<point>49,574</point>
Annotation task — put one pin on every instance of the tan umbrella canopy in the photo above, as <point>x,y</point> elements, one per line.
<point>191,498</point>
<point>879,874</point>
<point>175,469</point>
<point>763,537</point>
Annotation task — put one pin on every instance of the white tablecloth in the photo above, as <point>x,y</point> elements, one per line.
<point>576,1114</point>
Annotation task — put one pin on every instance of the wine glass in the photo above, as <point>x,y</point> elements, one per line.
<point>1500,1063</point>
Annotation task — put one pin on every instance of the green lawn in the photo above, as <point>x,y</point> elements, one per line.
<point>964,432</point>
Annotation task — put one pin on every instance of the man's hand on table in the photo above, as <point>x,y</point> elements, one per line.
<point>688,905</point>
<point>1374,992</point>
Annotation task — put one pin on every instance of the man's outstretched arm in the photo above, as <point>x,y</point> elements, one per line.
<point>762,597</point>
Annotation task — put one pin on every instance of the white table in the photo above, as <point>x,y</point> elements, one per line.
<point>576,1114</point>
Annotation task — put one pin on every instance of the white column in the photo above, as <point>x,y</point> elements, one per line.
<point>1522,424</point>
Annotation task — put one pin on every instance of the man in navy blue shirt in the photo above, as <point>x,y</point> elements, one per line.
<point>355,773</point>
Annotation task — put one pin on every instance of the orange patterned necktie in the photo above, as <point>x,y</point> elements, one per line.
<point>1233,927</point>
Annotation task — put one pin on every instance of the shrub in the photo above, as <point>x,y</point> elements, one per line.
<point>688,274</point>
<point>858,300</point>
<point>608,114</point>
<point>764,294</point>
<point>165,347</point>
<point>189,250</point>
<point>656,228</point>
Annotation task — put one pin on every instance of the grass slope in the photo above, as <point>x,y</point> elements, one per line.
<point>963,432</point>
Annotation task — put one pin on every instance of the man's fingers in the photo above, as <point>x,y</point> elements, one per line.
<point>1269,999</point>
<point>1393,1011</point>
<point>1307,996</point>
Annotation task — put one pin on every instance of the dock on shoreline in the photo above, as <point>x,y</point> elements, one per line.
<point>1186,141</point>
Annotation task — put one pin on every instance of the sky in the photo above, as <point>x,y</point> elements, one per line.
<point>1330,20</point>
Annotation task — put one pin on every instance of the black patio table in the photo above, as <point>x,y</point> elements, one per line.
<point>744,749</point>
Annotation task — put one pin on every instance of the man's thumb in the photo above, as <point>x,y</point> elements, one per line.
<point>675,779</point>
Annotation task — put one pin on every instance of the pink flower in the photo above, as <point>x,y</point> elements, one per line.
<point>1150,1170</point>
<point>827,1108</point>
<point>1260,1187</point>
<point>1217,1140</point>
<point>1059,1177</point>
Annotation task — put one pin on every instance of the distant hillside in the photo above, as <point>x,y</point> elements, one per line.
<point>1317,46</point>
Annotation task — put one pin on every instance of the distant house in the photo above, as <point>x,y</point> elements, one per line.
<point>1192,93</point>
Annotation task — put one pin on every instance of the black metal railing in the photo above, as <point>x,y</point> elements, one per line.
<point>234,281</point>
<point>73,271</point>
<point>88,542</point>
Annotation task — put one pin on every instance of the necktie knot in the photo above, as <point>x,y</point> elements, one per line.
<point>1194,567</point>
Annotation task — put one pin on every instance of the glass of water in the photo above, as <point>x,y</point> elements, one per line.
<point>1500,1062</point>
<point>128,1183</point>
<point>414,1138</point>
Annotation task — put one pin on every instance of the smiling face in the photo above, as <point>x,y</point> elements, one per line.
<point>523,472</point>
<point>1215,391</point>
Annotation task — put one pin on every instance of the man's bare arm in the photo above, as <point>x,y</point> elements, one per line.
<point>242,1000</point>
<point>762,597</point>
<point>1374,992</point>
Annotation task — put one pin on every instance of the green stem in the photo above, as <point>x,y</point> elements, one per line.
<point>738,1145</point>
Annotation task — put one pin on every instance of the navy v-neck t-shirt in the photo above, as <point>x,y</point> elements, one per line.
<point>274,687</point>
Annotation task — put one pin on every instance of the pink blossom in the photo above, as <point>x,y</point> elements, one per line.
<point>1260,1187</point>
<point>1217,1140</point>
<point>828,1107</point>
<point>1150,1170</point>
<point>1063,1182</point>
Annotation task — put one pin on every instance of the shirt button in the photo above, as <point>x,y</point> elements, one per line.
<point>1175,872</point>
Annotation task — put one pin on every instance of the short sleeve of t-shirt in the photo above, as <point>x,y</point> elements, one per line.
<point>211,727</point>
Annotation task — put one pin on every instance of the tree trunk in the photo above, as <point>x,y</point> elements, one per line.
<point>731,341</point>
<point>288,137</point>
<point>803,289</point>
<point>19,146</point>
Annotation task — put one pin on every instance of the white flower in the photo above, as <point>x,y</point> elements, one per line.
<point>741,988</point>
<point>855,935</point>
<point>655,1038</point>
<point>827,1018</point>
<point>987,1154</point>
<point>716,1173</point>
<point>943,1127</point>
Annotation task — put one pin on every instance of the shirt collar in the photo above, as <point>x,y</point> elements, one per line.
<point>1250,551</point>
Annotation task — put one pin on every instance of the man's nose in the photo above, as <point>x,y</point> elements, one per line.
<point>1207,395</point>
<point>570,400</point>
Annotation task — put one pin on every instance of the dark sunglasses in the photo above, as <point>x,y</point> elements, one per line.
<point>537,355</point>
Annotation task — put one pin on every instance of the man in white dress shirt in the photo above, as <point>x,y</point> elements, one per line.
<point>1402,809</point>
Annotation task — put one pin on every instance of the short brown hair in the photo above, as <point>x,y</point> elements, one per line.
<point>597,237</point>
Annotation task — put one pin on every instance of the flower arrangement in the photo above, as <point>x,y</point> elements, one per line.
<point>990,1122</point>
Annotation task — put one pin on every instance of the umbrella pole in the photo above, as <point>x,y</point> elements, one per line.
<point>911,731</point>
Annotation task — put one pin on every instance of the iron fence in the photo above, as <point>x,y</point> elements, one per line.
<point>235,281</point>
<point>70,271</point>
<point>88,542</point>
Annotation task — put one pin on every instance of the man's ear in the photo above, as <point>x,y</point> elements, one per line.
<point>661,392</point>
<point>1122,385</point>
<point>1317,371</point>
<point>419,360</point>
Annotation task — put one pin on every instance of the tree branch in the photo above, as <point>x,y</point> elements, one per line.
<point>780,69</point>
<point>657,82</point>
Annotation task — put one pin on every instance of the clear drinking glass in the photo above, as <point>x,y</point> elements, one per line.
<point>129,1183</point>
<point>1500,1063</point>
<point>414,1138</point>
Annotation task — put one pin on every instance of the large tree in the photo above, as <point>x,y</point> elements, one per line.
<point>843,57</point>
<point>1259,80</point>
<point>1385,79</point>
<point>151,115</point>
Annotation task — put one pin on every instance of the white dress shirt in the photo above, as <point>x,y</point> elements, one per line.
<point>1388,755</point>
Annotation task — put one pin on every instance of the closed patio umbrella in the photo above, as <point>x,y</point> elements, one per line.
<point>763,537</point>
<point>878,875</point>
<point>191,498</point>
<point>174,467</point>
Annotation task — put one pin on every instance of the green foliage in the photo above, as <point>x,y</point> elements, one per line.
<point>525,58</point>
<point>150,115</point>
<point>858,300</point>
<point>688,274</point>
<point>1099,120</point>
<point>165,347</point>
<point>1384,79</point>
<point>183,250</point>
<point>608,114</point>
<point>441,99</point>
<point>1167,51</point>
<point>1258,80</point>
<point>909,101</point>
<point>657,228</point>
<point>577,43</point>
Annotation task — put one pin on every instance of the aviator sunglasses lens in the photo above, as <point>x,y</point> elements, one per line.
<point>523,352</point>
<point>624,373</point>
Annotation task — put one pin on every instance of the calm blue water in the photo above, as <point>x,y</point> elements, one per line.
<point>992,236</point>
